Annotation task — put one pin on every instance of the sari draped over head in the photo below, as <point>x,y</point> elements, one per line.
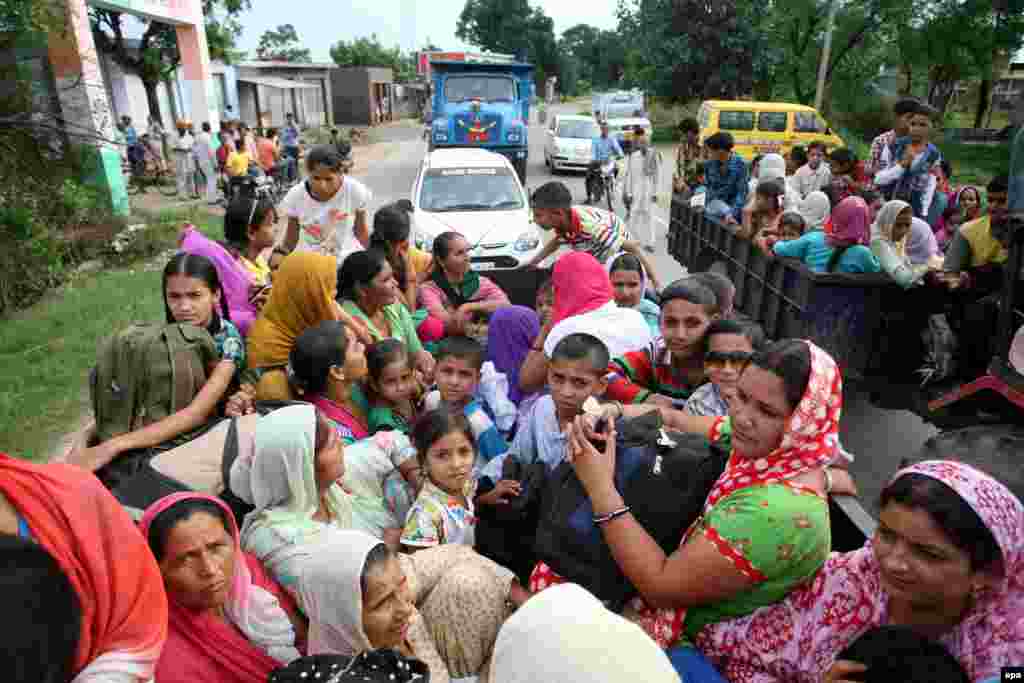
<point>233,277</point>
<point>510,334</point>
<point>565,634</point>
<point>977,209</point>
<point>643,272</point>
<point>200,647</point>
<point>302,296</point>
<point>798,639</point>
<point>810,441</point>
<point>93,539</point>
<point>581,285</point>
<point>332,593</point>
<point>850,224</point>
<point>280,481</point>
<point>815,209</point>
<point>881,229</point>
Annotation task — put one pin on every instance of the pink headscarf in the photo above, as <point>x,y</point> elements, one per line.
<point>260,637</point>
<point>798,639</point>
<point>581,285</point>
<point>850,224</point>
<point>233,277</point>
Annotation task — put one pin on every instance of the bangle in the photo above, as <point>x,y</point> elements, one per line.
<point>538,349</point>
<point>601,519</point>
<point>828,481</point>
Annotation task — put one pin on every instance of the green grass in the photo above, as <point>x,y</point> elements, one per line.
<point>47,350</point>
<point>976,164</point>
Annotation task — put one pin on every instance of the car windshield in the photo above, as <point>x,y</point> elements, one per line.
<point>578,129</point>
<point>470,189</point>
<point>486,88</point>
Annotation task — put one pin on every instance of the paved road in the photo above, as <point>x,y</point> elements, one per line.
<point>878,438</point>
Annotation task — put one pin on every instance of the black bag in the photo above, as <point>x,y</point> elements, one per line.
<point>664,477</point>
<point>387,666</point>
<point>505,533</point>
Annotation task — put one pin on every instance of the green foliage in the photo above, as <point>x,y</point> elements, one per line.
<point>366,52</point>
<point>505,27</point>
<point>282,45</point>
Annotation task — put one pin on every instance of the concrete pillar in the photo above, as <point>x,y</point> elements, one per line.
<point>201,100</point>
<point>85,107</point>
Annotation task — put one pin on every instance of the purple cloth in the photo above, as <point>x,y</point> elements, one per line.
<point>921,242</point>
<point>233,277</point>
<point>510,333</point>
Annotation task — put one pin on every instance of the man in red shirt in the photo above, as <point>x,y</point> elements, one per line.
<point>266,150</point>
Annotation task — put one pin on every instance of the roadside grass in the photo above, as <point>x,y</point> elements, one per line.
<point>46,351</point>
<point>976,164</point>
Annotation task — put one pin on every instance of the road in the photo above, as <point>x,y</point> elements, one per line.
<point>878,438</point>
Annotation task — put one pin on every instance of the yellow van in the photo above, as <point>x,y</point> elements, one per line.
<point>764,127</point>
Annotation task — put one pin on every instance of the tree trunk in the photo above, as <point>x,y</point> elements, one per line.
<point>152,99</point>
<point>984,92</point>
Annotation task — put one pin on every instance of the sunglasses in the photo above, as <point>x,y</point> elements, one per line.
<point>721,358</point>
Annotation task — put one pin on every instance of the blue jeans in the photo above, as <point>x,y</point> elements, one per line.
<point>692,666</point>
<point>291,154</point>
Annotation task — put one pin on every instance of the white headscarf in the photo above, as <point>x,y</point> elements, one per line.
<point>815,208</point>
<point>331,592</point>
<point>773,167</point>
<point>565,634</point>
<point>643,273</point>
<point>881,229</point>
<point>280,478</point>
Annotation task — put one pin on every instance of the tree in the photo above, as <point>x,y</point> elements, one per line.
<point>512,27</point>
<point>157,56</point>
<point>282,45</point>
<point>366,52</point>
<point>600,55</point>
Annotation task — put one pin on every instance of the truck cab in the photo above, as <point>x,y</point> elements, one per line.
<point>482,103</point>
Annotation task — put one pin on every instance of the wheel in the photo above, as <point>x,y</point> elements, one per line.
<point>520,166</point>
<point>995,449</point>
<point>167,184</point>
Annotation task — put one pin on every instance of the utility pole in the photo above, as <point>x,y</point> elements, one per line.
<point>826,53</point>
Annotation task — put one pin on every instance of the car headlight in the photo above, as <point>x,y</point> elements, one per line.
<point>527,241</point>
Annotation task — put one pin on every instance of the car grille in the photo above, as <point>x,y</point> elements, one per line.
<point>494,245</point>
<point>498,261</point>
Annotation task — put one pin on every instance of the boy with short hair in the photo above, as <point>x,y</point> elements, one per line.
<point>725,176</point>
<point>457,372</point>
<point>815,174</point>
<point>578,370</point>
<point>909,177</point>
<point>880,145</point>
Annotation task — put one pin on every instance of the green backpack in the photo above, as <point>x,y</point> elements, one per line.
<point>147,372</point>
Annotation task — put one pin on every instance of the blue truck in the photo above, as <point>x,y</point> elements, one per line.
<point>481,100</point>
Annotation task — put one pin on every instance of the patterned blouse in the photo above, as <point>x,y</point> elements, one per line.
<point>437,518</point>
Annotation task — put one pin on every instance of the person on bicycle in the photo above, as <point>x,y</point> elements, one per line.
<point>600,233</point>
<point>604,147</point>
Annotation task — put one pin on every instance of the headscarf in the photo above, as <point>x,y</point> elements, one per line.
<point>643,272</point>
<point>280,480</point>
<point>510,334</point>
<point>977,208</point>
<point>331,592</point>
<point>93,539</point>
<point>881,229</point>
<point>771,166</point>
<point>815,209</point>
<point>202,647</point>
<point>565,634</point>
<point>922,245</point>
<point>850,224</point>
<point>374,666</point>
<point>300,298</point>
<point>581,285</point>
<point>798,639</point>
<point>233,277</point>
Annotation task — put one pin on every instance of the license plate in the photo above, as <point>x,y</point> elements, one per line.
<point>483,265</point>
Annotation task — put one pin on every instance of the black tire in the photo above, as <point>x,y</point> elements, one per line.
<point>995,449</point>
<point>167,184</point>
<point>520,166</point>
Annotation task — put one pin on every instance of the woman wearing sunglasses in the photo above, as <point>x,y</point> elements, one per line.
<point>728,346</point>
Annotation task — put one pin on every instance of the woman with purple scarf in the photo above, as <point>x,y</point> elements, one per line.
<point>510,334</point>
<point>846,233</point>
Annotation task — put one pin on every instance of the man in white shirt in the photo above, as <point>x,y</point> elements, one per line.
<point>815,174</point>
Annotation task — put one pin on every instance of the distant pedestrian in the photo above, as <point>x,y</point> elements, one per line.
<point>184,165</point>
<point>290,144</point>
<point>207,160</point>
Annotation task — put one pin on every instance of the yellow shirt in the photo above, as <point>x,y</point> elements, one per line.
<point>984,247</point>
<point>420,262</point>
<point>259,269</point>
<point>238,164</point>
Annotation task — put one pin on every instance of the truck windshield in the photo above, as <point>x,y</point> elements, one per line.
<point>470,189</point>
<point>486,88</point>
<point>577,129</point>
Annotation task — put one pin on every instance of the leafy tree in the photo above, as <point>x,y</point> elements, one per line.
<point>600,54</point>
<point>282,45</point>
<point>157,55</point>
<point>366,52</point>
<point>512,27</point>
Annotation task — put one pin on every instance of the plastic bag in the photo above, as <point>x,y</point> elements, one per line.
<point>494,390</point>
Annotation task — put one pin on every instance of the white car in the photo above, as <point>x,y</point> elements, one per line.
<point>568,145</point>
<point>477,194</point>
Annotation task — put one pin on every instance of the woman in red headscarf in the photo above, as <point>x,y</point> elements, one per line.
<point>81,525</point>
<point>584,303</point>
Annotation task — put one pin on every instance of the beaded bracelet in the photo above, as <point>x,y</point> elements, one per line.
<point>611,515</point>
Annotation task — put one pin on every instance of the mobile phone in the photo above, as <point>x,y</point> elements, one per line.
<point>601,427</point>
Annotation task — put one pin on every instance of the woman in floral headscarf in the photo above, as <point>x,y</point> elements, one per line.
<point>764,528</point>
<point>846,233</point>
<point>947,560</point>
